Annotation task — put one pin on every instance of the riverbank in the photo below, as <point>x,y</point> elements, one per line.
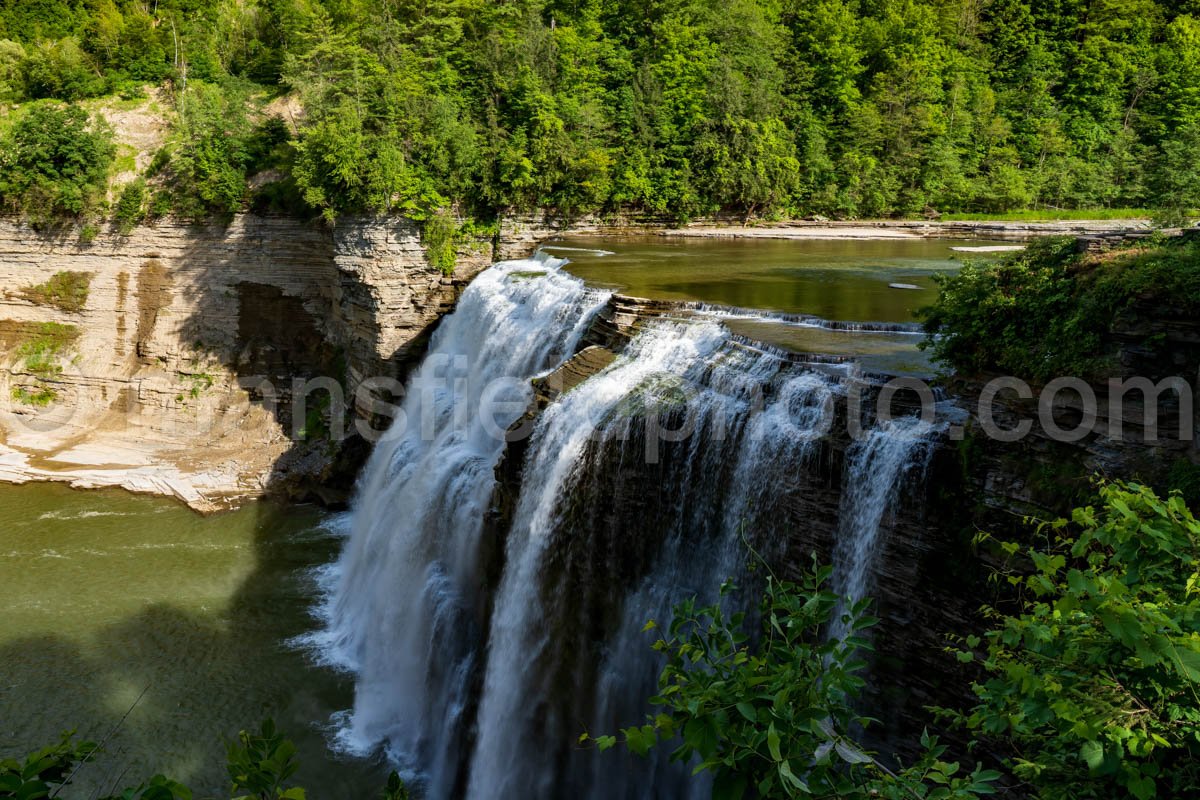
<point>909,229</point>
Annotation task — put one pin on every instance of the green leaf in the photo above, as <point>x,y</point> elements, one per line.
<point>785,771</point>
<point>1187,661</point>
<point>851,754</point>
<point>1142,787</point>
<point>773,742</point>
<point>1092,754</point>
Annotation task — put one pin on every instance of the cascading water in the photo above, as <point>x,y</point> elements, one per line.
<point>406,614</point>
<point>641,486</point>
<point>875,471</point>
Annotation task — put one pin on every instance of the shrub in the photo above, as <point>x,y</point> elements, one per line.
<point>1092,684</point>
<point>1049,310</point>
<point>54,162</point>
<point>131,206</point>
<point>260,767</point>
<point>65,290</point>
<point>770,713</point>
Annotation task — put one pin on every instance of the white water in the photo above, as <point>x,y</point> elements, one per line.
<point>480,692</point>
<point>501,767</point>
<point>875,472</point>
<point>766,446</point>
<point>406,611</point>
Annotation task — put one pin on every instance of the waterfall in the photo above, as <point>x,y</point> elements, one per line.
<point>875,471</point>
<point>406,612</point>
<point>746,425</point>
<point>689,455</point>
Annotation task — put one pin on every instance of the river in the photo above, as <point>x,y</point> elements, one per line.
<point>107,594</point>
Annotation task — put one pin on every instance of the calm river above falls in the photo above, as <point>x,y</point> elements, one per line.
<point>105,594</point>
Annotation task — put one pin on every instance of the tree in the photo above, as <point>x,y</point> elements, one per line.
<point>211,152</point>
<point>54,162</point>
<point>59,69</point>
<point>1177,173</point>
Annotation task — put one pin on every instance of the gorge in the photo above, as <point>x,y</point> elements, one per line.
<point>568,462</point>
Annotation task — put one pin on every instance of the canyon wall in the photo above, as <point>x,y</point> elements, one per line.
<point>155,382</point>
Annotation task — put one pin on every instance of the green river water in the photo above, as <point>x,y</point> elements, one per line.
<point>849,280</point>
<point>106,594</point>
<point>835,279</point>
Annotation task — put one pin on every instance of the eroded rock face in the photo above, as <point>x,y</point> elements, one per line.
<point>161,387</point>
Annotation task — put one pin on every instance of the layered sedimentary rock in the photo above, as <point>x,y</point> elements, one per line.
<point>157,381</point>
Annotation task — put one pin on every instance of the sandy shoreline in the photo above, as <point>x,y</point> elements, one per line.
<point>138,467</point>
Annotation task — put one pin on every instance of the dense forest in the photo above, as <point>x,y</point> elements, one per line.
<point>845,108</point>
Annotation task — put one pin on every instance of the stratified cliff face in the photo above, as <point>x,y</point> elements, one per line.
<point>156,382</point>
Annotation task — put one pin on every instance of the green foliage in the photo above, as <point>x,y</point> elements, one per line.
<point>440,235</point>
<point>769,712</point>
<point>1055,214</point>
<point>1046,311</point>
<point>44,773</point>
<point>12,81</point>
<point>54,162</point>
<point>210,156</point>
<point>1092,683</point>
<point>395,789</point>
<point>687,107</point>
<point>67,291</point>
<point>37,775</point>
<point>41,397</point>
<point>59,70</point>
<point>260,765</point>
<point>44,345</point>
<point>130,209</point>
<point>39,349</point>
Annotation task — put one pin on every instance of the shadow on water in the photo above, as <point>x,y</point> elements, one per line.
<point>276,306</point>
<point>209,671</point>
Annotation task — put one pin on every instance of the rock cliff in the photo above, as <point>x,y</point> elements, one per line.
<point>152,377</point>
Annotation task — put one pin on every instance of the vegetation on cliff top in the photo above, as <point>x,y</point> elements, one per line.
<point>54,162</point>
<point>848,108</point>
<point>1050,310</point>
